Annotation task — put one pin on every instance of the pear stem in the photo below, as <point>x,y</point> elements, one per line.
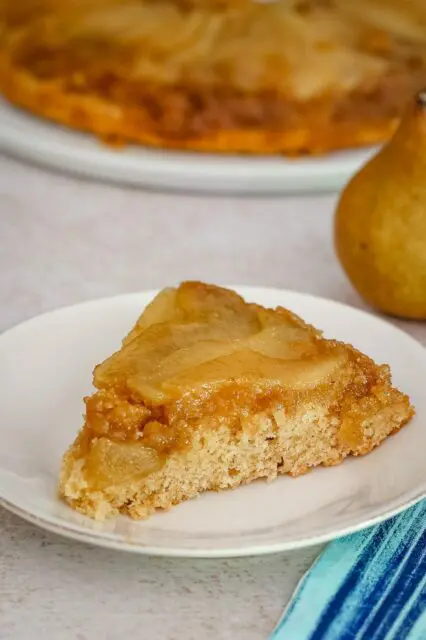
<point>421,99</point>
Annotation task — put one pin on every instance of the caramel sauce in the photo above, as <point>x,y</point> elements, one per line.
<point>108,414</point>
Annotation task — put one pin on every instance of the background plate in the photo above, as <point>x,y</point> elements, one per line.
<point>40,141</point>
<point>45,369</point>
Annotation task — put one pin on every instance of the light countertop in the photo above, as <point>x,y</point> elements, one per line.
<point>64,240</point>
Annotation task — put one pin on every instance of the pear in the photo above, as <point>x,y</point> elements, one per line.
<point>380,221</point>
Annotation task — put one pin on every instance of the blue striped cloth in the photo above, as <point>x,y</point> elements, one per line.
<point>368,586</point>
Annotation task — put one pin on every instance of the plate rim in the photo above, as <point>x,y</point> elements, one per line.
<point>101,540</point>
<point>173,170</point>
<point>104,542</point>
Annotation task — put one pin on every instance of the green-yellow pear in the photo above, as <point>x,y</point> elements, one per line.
<point>380,222</point>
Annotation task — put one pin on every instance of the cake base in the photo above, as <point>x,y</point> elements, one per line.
<point>219,458</point>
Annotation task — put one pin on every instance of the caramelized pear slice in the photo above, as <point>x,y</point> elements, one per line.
<point>111,463</point>
<point>281,342</point>
<point>140,354</point>
<point>168,346</point>
<point>194,302</point>
<point>197,335</point>
<point>161,310</point>
<point>243,367</point>
<point>203,303</point>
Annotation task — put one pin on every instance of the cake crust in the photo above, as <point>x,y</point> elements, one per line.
<point>329,75</point>
<point>209,392</point>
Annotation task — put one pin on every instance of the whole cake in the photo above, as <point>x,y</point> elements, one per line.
<point>209,392</point>
<point>284,76</point>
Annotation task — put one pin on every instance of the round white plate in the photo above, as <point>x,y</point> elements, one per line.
<point>40,141</point>
<point>45,370</point>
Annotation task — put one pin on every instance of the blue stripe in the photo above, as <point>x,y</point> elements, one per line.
<point>414,609</point>
<point>368,586</point>
<point>392,604</point>
<point>382,579</point>
<point>352,579</point>
<point>319,585</point>
<point>418,631</point>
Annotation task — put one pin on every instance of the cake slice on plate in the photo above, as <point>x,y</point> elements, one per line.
<point>209,392</point>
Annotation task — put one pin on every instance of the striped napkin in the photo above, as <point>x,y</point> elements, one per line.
<point>368,586</point>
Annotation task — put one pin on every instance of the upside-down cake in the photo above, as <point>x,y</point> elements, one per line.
<point>209,392</point>
<point>264,77</point>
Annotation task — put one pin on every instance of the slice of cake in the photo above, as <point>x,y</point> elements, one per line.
<point>209,392</point>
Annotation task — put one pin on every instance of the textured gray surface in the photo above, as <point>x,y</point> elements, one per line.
<point>64,241</point>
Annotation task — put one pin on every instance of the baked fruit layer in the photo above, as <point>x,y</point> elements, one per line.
<point>209,392</point>
<point>290,76</point>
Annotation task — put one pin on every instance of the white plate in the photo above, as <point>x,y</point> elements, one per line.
<point>45,370</point>
<point>45,143</point>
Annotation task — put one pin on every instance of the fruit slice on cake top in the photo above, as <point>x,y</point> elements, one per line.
<point>209,392</point>
<point>291,77</point>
